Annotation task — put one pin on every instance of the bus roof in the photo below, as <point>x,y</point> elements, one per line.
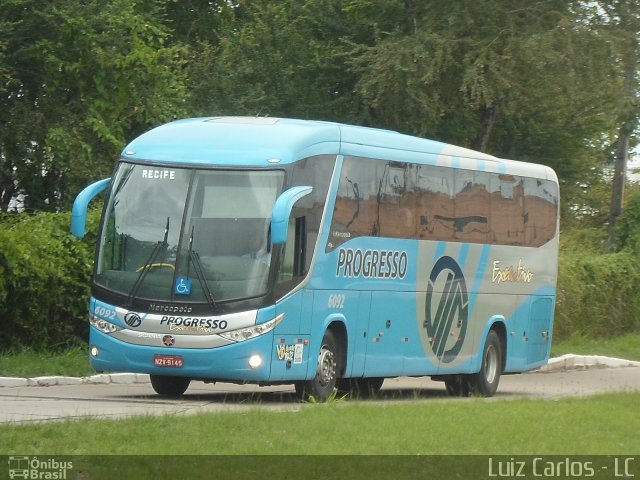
<point>262,141</point>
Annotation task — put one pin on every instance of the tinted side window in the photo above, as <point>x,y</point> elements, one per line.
<point>306,215</point>
<point>435,207</point>
<point>426,202</point>
<point>472,206</point>
<point>356,208</point>
<point>316,172</point>
<point>540,211</point>
<point>374,198</point>
<point>507,209</point>
<point>396,201</point>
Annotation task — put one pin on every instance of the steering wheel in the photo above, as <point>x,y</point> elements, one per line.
<point>155,265</point>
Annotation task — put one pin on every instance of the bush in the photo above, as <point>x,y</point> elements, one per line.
<point>597,294</point>
<point>44,280</point>
<point>597,291</point>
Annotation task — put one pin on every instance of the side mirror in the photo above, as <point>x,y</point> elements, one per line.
<point>282,210</point>
<point>79,211</point>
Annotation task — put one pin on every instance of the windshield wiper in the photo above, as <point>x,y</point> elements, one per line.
<point>197,266</point>
<point>148,265</point>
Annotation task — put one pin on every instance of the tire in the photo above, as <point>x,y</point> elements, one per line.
<point>320,387</point>
<point>486,381</point>
<point>169,386</point>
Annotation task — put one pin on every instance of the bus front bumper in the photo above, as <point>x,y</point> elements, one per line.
<point>247,361</point>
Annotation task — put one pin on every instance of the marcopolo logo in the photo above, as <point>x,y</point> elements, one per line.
<point>133,319</point>
<point>446,309</point>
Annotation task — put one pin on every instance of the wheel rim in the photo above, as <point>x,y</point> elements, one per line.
<point>491,364</point>
<point>326,367</point>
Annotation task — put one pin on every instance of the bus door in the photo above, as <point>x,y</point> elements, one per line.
<point>390,332</point>
<point>290,351</point>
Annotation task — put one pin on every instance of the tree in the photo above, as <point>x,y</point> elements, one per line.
<point>85,77</point>
<point>515,78</point>
<point>488,75</point>
<point>618,22</point>
<point>262,60</point>
<point>524,80</point>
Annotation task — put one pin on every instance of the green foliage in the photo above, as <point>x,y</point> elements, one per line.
<point>84,77</point>
<point>264,61</point>
<point>333,399</point>
<point>628,227</point>
<point>496,76</point>
<point>597,292</point>
<point>44,281</point>
<point>534,81</point>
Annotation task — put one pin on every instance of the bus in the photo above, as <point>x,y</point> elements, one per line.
<point>327,256</point>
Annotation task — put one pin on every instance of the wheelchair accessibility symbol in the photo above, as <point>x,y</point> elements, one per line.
<point>183,286</point>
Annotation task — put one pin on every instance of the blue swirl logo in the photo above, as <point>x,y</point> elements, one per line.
<point>447,325</point>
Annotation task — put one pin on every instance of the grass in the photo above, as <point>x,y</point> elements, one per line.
<point>625,346</point>
<point>473,426</point>
<point>29,363</point>
<point>74,361</point>
<point>363,438</point>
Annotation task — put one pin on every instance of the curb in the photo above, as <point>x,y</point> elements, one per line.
<point>583,362</point>
<point>565,362</point>
<point>119,378</point>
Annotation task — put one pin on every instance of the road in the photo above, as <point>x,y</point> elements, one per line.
<point>28,404</point>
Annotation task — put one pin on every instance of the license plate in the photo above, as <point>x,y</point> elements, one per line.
<point>175,361</point>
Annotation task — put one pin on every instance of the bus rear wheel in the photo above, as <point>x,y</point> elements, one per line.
<point>169,386</point>
<point>323,384</point>
<point>486,381</point>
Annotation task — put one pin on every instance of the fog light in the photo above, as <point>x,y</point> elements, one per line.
<point>94,351</point>
<point>255,361</point>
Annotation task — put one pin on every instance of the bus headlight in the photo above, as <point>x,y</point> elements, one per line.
<point>251,332</point>
<point>255,361</point>
<point>102,325</point>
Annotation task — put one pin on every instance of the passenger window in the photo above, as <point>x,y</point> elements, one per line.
<point>427,202</point>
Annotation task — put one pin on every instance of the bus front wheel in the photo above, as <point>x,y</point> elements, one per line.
<point>323,384</point>
<point>169,386</point>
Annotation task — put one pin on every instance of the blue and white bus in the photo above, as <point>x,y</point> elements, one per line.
<point>279,251</point>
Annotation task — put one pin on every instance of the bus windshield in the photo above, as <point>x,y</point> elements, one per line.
<point>190,235</point>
